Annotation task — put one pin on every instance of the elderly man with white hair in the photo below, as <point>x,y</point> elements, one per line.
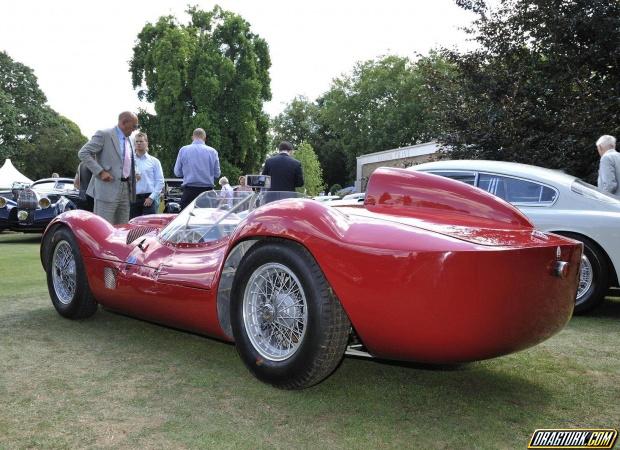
<point>609,166</point>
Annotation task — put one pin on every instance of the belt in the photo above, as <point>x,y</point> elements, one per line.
<point>126,180</point>
<point>143,195</point>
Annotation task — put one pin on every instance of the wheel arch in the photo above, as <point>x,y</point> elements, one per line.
<point>89,230</point>
<point>229,270</point>
<point>45,241</point>
<point>613,276</point>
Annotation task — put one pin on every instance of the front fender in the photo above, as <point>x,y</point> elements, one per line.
<point>94,234</point>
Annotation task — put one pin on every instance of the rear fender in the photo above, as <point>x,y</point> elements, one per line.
<point>423,195</point>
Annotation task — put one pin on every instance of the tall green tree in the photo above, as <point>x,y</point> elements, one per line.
<point>381,105</point>
<point>37,139</point>
<point>543,85</point>
<point>23,108</point>
<point>213,73</point>
<point>313,175</point>
<point>53,148</point>
<point>297,123</point>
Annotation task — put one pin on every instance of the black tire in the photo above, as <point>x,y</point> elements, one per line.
<point>597,260</point>
<point>78,303</point>
<point>320,348</point>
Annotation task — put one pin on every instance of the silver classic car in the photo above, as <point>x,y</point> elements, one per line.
<point>555,202</point>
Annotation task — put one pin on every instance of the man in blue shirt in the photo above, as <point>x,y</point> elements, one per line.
<point>198,165</point>
<point>150,181</point>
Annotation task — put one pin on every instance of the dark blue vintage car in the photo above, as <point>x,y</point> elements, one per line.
<point>30,208</point>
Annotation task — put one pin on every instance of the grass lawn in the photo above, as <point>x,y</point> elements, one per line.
<point>113,381</point>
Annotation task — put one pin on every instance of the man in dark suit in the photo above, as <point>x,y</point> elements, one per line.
<point>285,171</point>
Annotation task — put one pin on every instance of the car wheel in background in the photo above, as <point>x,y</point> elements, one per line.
<point>593,276</point>
<point>66,277</point>
<point>289,328</point>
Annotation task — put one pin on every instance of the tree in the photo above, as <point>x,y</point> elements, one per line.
<point>212,73</point>
<point>53,148</point>
<point>541,88</point>
<point>313,175</point>
<point>296,124</point>
<point>33,135</point>
<point>380,106</point>
<point>23,107</point>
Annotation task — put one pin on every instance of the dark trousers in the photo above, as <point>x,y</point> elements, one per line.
<point>137,208</point>
<point>86,202</point>
<point>191,192</point>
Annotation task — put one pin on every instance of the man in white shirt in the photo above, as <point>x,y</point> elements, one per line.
<point>150,181</point>
<point>609,166</point>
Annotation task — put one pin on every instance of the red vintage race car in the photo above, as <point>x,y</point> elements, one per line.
<point>427,269</point>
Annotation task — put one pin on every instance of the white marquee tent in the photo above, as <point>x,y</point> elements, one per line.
<point>9,174</point>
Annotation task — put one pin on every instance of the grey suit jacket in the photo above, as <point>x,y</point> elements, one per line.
<point>609,172</point>
<point>102,153</point>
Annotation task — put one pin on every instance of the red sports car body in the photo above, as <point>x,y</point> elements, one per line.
<point>428,269</point>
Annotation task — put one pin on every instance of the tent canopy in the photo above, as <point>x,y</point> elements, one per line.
<point>9,175</point>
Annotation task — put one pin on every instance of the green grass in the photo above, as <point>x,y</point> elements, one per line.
<point>116,382</point>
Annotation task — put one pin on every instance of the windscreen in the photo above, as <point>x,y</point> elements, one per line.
<point>215,215</point>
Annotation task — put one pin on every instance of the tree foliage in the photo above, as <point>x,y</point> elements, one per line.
<point>53,149</point>
<point>297,123</point>
<point>23,106</point>
<point>33,135</point>
<point>313,175</point>
<point>211,73</point>
<point>382,104</point>
<point>541,88</point>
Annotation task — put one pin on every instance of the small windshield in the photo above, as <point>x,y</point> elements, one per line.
<point>216,214</point>
<point>587,190</point>
<point>48,186</point>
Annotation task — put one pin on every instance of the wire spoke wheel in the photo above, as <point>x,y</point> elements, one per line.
<point>63,272</point>
<point>275,311</point>
<point>586,277</point>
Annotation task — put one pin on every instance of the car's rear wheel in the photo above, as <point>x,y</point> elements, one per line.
<point>593,275</point>
<point>66,277</point>
<point>289,328</point>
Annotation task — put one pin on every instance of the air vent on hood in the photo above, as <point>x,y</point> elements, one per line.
<point>137,232</point>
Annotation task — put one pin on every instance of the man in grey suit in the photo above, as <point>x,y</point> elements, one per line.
<point>109,155</point>
<point>609,166</point>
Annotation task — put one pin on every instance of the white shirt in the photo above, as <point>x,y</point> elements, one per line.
<point>151,176</point>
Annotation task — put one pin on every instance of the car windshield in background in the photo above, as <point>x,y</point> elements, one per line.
<point>44,187</point>
<point>216,214</point>
<point>49,186</point>
<point>587,190</point>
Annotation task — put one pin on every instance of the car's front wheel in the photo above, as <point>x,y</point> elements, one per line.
<point>593,275</point>
<point>289,328</point>
<point>66,276</point>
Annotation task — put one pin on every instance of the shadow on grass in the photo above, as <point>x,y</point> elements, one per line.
<point>385,387</point>
<point>609,308</point>
<point>19,238</point>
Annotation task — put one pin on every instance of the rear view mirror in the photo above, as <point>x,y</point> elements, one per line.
<point>258,181</point>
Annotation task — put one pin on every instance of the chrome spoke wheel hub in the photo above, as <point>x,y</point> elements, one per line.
<point>63,272</point>
<point>275,311</point>
<point>586,278</point>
